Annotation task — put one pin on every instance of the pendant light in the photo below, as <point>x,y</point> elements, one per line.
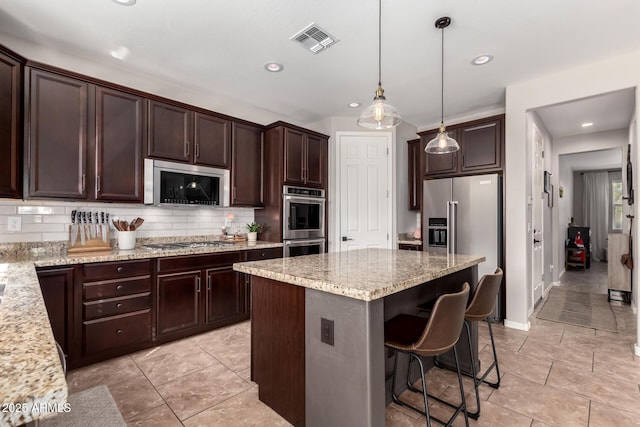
<point>380,114</point>
<point>442,143</point>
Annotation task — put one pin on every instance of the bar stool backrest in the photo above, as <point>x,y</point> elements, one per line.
<point>445,324</point>
<point>484,298</point>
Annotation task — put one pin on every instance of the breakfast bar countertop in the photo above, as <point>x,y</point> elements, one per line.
<point>363,274</point>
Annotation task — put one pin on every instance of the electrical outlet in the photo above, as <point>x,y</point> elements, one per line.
<point>326,331</point>
<point>15,223</point>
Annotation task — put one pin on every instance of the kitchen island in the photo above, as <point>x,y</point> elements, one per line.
<point>317,347</point>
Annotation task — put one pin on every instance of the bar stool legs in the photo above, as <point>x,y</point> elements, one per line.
<point>459,408</point>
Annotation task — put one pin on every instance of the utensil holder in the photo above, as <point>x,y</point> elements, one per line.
<point>126,240</point>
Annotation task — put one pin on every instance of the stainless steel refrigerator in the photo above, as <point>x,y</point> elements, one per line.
<point>464,215</point>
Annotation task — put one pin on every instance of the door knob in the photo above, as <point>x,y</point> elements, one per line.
<point>345,238</point>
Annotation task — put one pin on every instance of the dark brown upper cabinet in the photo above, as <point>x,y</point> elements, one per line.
<point>180,134</point>
<point>247,168</point>
<point>84,141</point>
<point>120,130</point>
<point>11,67</point>
<point>58,134</point>
<point>416,149</point>
<point>481,145</point>
<point>305,156</point>
<point>481,149</point>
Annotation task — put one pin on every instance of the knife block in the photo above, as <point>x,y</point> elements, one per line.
<point>91,244</point>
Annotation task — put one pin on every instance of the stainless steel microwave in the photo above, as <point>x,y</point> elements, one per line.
<point>179,184</point>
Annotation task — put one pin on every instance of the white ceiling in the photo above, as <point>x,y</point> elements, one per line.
<point>610,158</point>
<point>219,47</point>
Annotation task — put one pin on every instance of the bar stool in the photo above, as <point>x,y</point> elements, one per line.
<point>480,308</point>
<point>419,337</point>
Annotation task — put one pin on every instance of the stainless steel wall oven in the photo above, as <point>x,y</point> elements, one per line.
<point>303,214</point>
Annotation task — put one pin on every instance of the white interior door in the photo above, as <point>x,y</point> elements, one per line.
<point>537,262</point>
<point>364,208</point>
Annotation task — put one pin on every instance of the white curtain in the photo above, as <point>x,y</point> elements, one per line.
<point>595,211</point>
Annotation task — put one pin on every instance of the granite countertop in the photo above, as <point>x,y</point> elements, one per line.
<point>410,242</point>
<point>364,274</point>
<point>32,383</point>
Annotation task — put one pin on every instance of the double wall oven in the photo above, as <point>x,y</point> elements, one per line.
<point>303,214</point>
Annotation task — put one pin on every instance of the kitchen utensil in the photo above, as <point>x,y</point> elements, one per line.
<point>74,228</point>
<point>97,227</point>
<point>104,227</point>
<point>92,230</point>
<point>137,223</point>
<point>81,226</point>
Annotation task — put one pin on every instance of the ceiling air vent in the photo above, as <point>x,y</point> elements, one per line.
<point>314,38</point>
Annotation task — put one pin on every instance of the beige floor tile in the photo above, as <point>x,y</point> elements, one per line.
<point>551,406</point>
<point>490,416</point>
<point>161,416</point>
<point>620,366</point>
<point>537,423</point>
<point>135,396</point>
<point>243,409</point>
<point>597,387</point>
<point>606,416</point>
<point>195,392</point>
<point>532,368</point>
<point>231,346</point>
<point>541,349</point>
<point>168,364</point>
<point>108,373</point>
<point>396,417</point>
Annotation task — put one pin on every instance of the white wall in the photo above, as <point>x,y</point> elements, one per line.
<point>617,73</point>
<point>158,222</point>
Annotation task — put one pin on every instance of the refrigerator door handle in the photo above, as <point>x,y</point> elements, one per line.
<point>452,215</point>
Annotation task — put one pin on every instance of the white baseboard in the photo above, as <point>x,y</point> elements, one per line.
<point>634,309</point>
<point>517,325</point>
<point>636,349</point>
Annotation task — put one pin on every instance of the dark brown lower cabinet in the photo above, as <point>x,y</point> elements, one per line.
<point>102,310</point>
<point>226,295</point>
<point>56,285</point>
<point>178,303</point>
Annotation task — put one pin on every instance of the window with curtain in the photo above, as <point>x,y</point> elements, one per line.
<point>616,205</point>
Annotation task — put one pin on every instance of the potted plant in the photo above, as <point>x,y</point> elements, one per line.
<point>253,230</point>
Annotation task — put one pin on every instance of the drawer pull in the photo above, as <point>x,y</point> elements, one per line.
<point>119,305</point>
<point>119,331</point>
<point>120,269</point>
<point>119,287</point>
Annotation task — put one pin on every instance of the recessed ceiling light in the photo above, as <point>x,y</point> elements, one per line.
<point>125,2</point>
<point>587,124</point>
<point>274,67</point>
<point>482,59</point>
<point>120,53</point>
<point>354,104</point>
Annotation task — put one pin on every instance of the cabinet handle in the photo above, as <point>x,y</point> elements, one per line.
<point>208,283</point>
<point>198,285</point>
<point>83,181</point>
<point>119,331</point>
<point>119,269</point>
<point>119,288</point>
<point>98,183</point>
<point>197,148</point>
<point>234,193</point>
<point>186,148</point>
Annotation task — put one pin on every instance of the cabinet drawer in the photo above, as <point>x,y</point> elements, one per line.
<point>114,306</point>
<point>115,270</point>
<point>190,262</point>
<point>267,253</point>
<point>116,331</point>
<point>115,288</point>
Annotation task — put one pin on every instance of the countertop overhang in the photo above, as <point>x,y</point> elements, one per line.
<point>364,274</point>
<point>32,383</point>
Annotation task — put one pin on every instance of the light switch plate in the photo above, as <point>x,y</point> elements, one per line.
<point>326,331</point>
<point>14,224</point>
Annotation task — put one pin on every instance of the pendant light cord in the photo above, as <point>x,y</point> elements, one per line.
<point>442,80</point>
<point>379,42</point>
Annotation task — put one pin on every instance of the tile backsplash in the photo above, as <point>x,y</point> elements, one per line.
<point>49,221</point>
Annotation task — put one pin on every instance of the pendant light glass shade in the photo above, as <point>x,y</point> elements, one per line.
<point>380,114</point>
<point>442,143</point>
